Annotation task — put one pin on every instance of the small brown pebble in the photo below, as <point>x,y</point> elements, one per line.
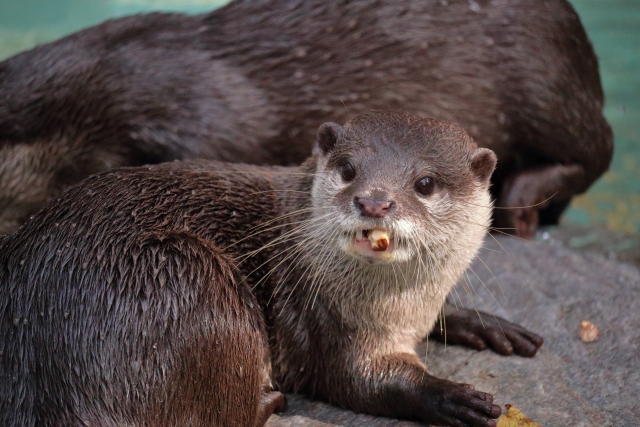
<point>588,331</point>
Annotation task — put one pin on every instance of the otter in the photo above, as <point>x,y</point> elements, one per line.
<point>191,291</point>
<point>249,82</point>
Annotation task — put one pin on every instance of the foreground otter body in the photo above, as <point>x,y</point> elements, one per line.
<point>249,82</point>
<point>128,301</point>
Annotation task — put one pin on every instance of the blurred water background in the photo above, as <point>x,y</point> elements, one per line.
<point>612,25</point>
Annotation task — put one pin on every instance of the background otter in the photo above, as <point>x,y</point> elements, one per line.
<point>249,82</point>
<point>128,300</point>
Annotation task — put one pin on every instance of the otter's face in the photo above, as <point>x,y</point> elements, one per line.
<point>395,188</point>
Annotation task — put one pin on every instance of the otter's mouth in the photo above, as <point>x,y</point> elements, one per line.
<point>375,243</point>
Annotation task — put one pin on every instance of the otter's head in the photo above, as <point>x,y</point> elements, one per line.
<point>396,187</point>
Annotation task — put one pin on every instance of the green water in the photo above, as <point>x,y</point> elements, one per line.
<point>612,25</point>
<point>614,29</point>
<point>27,23</point>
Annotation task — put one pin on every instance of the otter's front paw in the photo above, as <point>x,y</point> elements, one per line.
<point>480,330</point>
<point>452,404</point>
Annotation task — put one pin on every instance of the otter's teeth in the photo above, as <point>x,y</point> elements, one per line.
<point>379,240</point>
<point>362,235</point>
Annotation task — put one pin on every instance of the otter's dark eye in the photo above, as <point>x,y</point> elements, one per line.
<point>425,185</point>
<point>347,172</point>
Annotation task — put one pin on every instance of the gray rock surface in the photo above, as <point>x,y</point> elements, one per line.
<point>549,289</point>
<point>613,245</point>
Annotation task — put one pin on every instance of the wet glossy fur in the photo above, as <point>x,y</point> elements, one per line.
<point>110,321</point>
<point>128,301</point>
<point>252,81</point>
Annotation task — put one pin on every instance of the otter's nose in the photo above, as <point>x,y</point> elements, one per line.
<point>373,208</point>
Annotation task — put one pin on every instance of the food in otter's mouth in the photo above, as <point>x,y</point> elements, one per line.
<point>379,239</point>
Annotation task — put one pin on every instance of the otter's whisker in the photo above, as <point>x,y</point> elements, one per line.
<point>305,209</point>
<point>395,275</point>
<point>260,231</point>
<point>322,269</point>
<point>443,325</point>
<point>510,235</point>
<point>293,289</point>
<point>489,270</point>
<point>466,282</point>
<point>487,288</point>
<point>268,274</point>
<point>512,259</point>
<point>316,221</point>
<point>304,194</point>
<point>308,256</point>
<point>492,206</point>
<point>281,217</point>
<point>308,238</point>
<point>270,244</point>
<point>455,291</point>
<point>486,248</point>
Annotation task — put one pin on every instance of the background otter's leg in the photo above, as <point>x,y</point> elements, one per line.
<point>200,342</point>
<point>528,192</point>
<point>481,330</point>
<point>270,402</point>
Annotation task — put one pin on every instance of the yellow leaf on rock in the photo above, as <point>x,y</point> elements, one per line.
<point>515,418</point>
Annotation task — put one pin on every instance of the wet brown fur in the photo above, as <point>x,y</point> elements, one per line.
<point>121,308</point>
<point>252,80</point>
<point>161,295</point>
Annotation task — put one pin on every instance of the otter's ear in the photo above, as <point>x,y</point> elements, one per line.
<point>328,136</point>
<point>483,162</point>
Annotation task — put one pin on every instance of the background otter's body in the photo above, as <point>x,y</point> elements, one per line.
<point>128,301</point>
<point>249,82</point>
